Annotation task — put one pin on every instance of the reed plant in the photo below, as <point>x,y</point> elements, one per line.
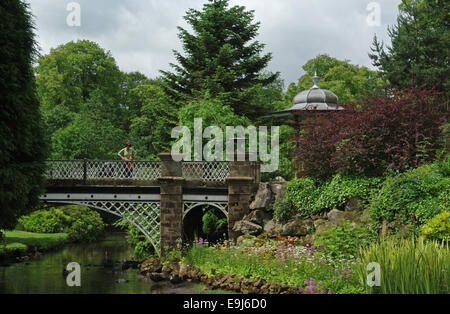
<point>407,266</point>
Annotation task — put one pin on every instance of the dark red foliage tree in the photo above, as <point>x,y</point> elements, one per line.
<point>393,132</point>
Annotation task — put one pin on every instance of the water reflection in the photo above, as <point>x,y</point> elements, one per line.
<point>101,272</point>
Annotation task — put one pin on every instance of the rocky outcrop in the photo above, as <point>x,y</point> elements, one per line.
<point>297,228</point>
<point>246,227</point>
<point>273,228</point>
<point>263,197</point>
<point>336,217</point>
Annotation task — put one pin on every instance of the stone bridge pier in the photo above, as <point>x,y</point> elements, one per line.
<point>242,183</point>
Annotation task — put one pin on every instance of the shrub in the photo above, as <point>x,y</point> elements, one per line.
<point>342,188</point>
<point>45,221</point>
<point>301,195</point>
<point>413,197</point>
<point>80,222</point>
<point>345,239</point>
<point>407,266</point>
<point>391,132</point>
<point>85,224</point>
<point>283,209</point>
<point>310,196</point>
<point>438,228</point>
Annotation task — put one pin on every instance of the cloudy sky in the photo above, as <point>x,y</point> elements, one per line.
<point>141,34</point>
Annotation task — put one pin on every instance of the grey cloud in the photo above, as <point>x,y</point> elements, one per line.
<point>142,34</point>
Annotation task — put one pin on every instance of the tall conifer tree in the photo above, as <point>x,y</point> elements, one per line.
<point>420,51</point>
<point>221,58</point>
<point>22,148</point>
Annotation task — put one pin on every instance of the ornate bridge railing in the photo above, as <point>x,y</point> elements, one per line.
<point>135,172</point>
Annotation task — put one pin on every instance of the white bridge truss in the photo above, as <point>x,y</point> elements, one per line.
<point>141,210</point>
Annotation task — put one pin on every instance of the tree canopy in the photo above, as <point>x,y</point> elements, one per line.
<point>349,82</point>
<point>221,57</point>
<point>420,47</point>
<point>23,148</point>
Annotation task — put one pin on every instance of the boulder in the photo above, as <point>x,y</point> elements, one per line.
<point>354,204</point>
<point>273,228</point>
<point>279,179</point>
<point>336,216</point>
<point>278,189</point>
<point>256,217</point>
<point>157,277</point>
<point>263,197</point>
<point>175,279</point>
<point>150,264</point>
<point>297,228</point>
<point>247,227</point>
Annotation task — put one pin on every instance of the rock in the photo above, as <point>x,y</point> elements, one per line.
<point>130,264</point>
<point>121,280</point>
<point>354,204</point>
<point>157,277</point>
<point>297,228</point>
<point>247,227</point>
<point>279,179</point>
<point>256,217</point>
<point>172,268</point>
<point>184,271</point>
<point>336,217</point>
<point>273,228</point>
<point>150,265</point>
<point>175,279</point>
<point>319,222</point>
<point>278,189</point>
<point>263,197</point>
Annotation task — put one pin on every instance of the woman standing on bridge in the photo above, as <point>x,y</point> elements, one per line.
<point>128,154</point>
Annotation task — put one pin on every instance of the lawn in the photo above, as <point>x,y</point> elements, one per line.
<point>21,241</point>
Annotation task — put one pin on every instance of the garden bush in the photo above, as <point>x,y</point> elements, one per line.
<point>141,246</point>
<point>301,196</point>
<point>309,196</point>
<point>80,222</point>
<point>342,188</point>
<point>212,225</point>
<point>344,240</point>
<point>85,224</point>
<point>413,197</point>
<point>45,221</point>
<point>438,228</point>
<point>393,132</point>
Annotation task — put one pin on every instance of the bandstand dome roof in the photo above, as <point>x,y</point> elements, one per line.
<point>313,99</point>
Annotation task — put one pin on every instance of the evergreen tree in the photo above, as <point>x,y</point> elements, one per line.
<point>221,57</point>
<point>22,148</point>
<point>420,50</point>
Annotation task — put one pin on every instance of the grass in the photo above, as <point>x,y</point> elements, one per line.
<point>407,266</point>
<point>19,242</point>
<point>279,263</point>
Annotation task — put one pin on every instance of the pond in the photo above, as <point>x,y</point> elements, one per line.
<point>101,272</point>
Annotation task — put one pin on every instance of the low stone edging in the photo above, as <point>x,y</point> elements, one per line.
<point>177,272</point>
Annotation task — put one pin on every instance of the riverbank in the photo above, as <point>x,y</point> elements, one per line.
<point>175,271</point>
<point>23,245</point>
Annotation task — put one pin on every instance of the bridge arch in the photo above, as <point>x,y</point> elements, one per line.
<point>222,206</point>
<point>143,215</point>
